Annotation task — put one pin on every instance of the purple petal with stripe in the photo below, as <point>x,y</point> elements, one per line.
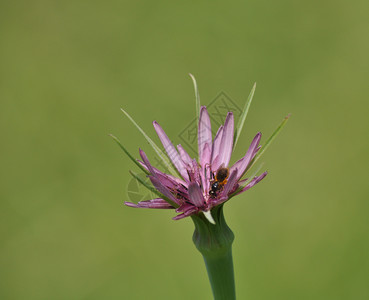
<point>216,144</point>
<point>171,151</point>
<point>155,180</point>
<point>205,172</point>
<point>205,156</point>
<point>173,179</point>
<point>215,165</point>
<point>242,164</point>
<point>157,203</point>
<point>186,158</point>
<point>163,189</point>
<point>226,144</point>
<point>194,172</point>
<point>187,213</point>
<point>184,207</point>
<point>204,133</point>
<point>253,182</point>
<point>195,194</point>
<point>146,162</point>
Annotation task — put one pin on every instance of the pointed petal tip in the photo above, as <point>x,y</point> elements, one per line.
<point>257,138</point>
<point>229,121</point>
<point>253,182</point>
<point>260,177</point>
<point>178,217</point>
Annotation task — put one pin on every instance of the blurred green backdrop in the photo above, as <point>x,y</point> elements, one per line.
<point>66,68</point>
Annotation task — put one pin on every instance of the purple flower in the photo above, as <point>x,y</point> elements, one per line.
<point>204,184</point>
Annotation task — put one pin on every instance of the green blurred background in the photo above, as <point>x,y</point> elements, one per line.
<point>66,68</point>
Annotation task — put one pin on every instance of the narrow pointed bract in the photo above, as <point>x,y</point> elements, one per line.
<point>204,184</point>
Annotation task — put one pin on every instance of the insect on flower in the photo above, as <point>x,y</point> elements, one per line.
<point>199,188</point>
<point>204,185</point>
<point>194,187</point>
<point>220,180</point>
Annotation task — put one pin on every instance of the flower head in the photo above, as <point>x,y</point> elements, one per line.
<point>206,183</point>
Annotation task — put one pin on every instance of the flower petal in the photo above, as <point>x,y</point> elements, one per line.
<point>204,133</point>
<point>216,144</point>
<point>215,164</point>
<point>195,194</point>
<point>154,203</point>
<point>173,179</point>
<point>242,164</point>
<point>253,182</point>
<point>146,161</point>
<point>156,181</point>
<point>226,144</point>
<point>194,172</point>
<point>186,158</point>
<point>205,170</point>
<point>184,207</point>
<point>205,156</point>
<point>163,189</point>
<point>171,151</point>
<point>187,213</point>
<point>232,181</point>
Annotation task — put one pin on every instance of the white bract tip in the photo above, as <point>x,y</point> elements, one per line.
<point>208,215</point>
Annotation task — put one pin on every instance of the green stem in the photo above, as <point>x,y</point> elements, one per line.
<point>215,244</point>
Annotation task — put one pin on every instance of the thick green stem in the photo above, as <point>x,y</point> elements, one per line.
<point>215,244</point>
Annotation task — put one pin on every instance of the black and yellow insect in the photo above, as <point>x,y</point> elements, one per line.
<point>219,181</point>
